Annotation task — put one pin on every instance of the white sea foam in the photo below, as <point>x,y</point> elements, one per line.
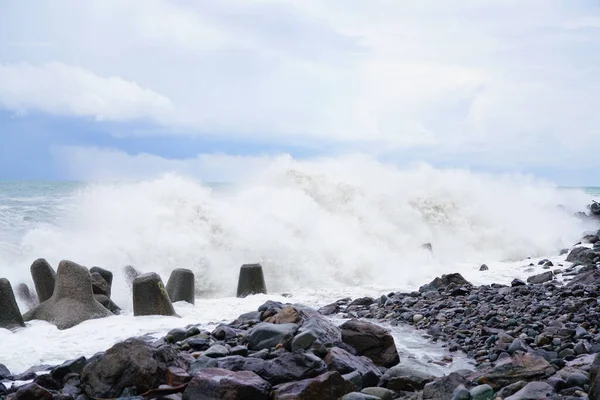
<point>322,229</point>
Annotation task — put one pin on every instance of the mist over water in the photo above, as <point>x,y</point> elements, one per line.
<point>346,223</point>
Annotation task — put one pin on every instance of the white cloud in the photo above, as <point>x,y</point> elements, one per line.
<point>66,90</point>
<point>459,76</point>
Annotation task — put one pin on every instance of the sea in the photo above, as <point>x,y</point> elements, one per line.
<point>321,230</point>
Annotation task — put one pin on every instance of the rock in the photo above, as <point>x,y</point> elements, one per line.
<point>287,315</point>
<point>217,383</point>
<point>577,379</point>
<point>541,278</point>
<point>484,267</point>
<point>509,370</point>
<point>359,396</point>
<point>99,284</point>
<point>372,341</point>
<point>461,393</point>
<point>340,360</point>
<point>10,316</point>
<point>380,393</point>
<point>177,376</point>
<point>4,372</point>
<point>517,282</point>
<point>354,378</point>
<point>304,340</point>
<point>310,320</point>
<point>132,363</point>
<point>329,386</point>
<point>181,286</point>
<point>150,296</point>
<point>533,391</point>
<point>73,366</point>
<point>224,332</point>
<point>216,351</point>
<point>586,278</point>
<point>251,280</point>
<point>285,368</point>
<point>32,391</point>
<point>44,279</point>
<point>510,389</point>
<point>445,281</point>
<point>583,255</point>
<point>72,301</point>
<point>106,274</point>
<point>108,303</point>
<point>25,295</point>
<point>442,388</point>
<point>202,362</point>
<point>404,378</point>
<point>482,392</point>
<point>266,335</point>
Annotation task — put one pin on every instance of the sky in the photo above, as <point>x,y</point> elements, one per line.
<point>105,89</point>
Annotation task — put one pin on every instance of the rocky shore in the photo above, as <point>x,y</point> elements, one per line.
<point>538,339</point>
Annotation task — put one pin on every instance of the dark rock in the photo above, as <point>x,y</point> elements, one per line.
<point>577,379</point>
<point>519,367</point>
<point>224,332</point>
<point>73,366</point>
<point>44,279</point>
<point>47,382</point>
<point>442,388</point>
<point>10,316</point>
<point>217,384</point>
<point>340,360</point>
<point>372,341</point>
<point>285,368</point>
<point>484,267</point>
<point>583,255</point>
<point>216,351</point>
<point>510,389</point>
<point>266,335</point>
<point>132,363</point>
<point>362,301</point>
<point>106,274</point>
<point>533,391</point>
<point>32,391</point>
<point>181,286</point>
<point>177,376</point>
<point>4,372</point>
<point>202,362</point>
<point>403,378</point>
<point>445,281</point>
<point>461,393</point>
<point>72,301</point>
<point>304,340</point>
<point>25,295</point>
<point>379,393</point>
<point>517,282</point>
<point>108,303</point>
<point>150,296</point>
<point>594,393</point>
<point>329,386</point>
<point>251,280</point>
<point>586,278</point>
<point>99,284</point>
<point>541,278</point>
<point>482,392</point>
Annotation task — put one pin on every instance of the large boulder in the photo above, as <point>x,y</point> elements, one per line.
<point>106,275</point>
<point>343,362</point>
<point>518,367</point>
<point>444,281</point>
<point>266,335</point>
<point>217,384</point>
<point>308,320</point>
<point>329,386</point>
<point>583,255</point>
<point>181,286</point>
<point>541,278</point>
<point>150,296</point>
<point>10,316</point>
<point>285,368</point>
<point>72,301</point>
<point>371,341</point>
<point>132,363</point>
<point>251,280</point>
<point>44,278</point>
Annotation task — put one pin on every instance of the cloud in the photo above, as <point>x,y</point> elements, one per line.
<point>61,89</point>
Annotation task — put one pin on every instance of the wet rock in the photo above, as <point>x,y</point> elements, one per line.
<point>484,267</point>
<point>541,278</point>
<point>340,360</point>
<point>99,284</point>
<point>372,341</point>
<point>533,391</point>
<point>68,367</point>
<point>482,392</point>
<point>72,301</point>
<point>44,278</point>
<point>224,332</point>
<point>442,388</point>
<point>266,335</point>
<point>517,282</point>
<point>378,392</point>
<point>32,391</point>
<point>150,296</point>
<point>106,274</point>
<point>251,280</point>
<point>217,384</point>
<point>10,316</point>
<point>510,389</point>
<point>181,286</point>
<point>403,378</point>
<point>461,393</point>
<point>444,281</point>
<point>304,340</point>
<point>217,351</point>
<point>202,362</point>
<point>583,255</point>
<point>132,363</point>
<point>329,386</point>
<point>518,367</point>
<point>108,303</point>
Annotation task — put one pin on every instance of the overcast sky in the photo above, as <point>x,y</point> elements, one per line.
<point>109,88</point>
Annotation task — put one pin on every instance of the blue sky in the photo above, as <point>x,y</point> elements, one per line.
<point>123,88</point>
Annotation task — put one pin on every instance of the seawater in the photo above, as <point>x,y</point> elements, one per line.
<point>321,229</point>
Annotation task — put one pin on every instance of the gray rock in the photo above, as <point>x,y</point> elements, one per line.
<point>359,396</point>
<point>23,293</point>
<point>482,392</point>
<point>444,281</point>
<point>533,391</point>
<point>251,280</point>
<point>216,351</point>
<point>266,335</point>
<point>217,384</point>
<point>181,286</point>
<point>108,304</point>
<point>541,278</point>
<point>106,274</point>
<point>4,372</point>
<point>372,341</point>
<point>519,367</point>
<point>303,340</point>
<point>404,378</point>
<point>10,316</point>
<point>32,391</point>
<point>44,278</point>
<point>72,301</point>
<point>577,379</point>
<point>329,386</point>
<point>202,362</point>
<point>340,360</point>
<point>583,255</point>
<point>380,393</point>
<point>150,296</point>
<point>99,284</point>
<point>484,267</point>
<point>461,393</point>
<point>443,388</point>
<point>517,345</point>
<point>510,389</point>
<point>354,378</point>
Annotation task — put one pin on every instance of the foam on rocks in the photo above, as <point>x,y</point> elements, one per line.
<point>72,301</point>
